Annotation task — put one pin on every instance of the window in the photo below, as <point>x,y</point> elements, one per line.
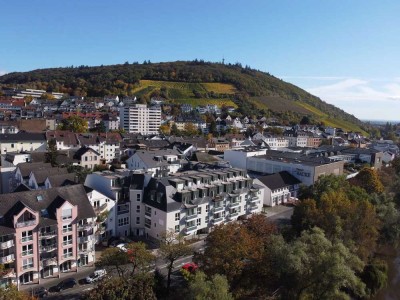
<point>137,220</point>
<point>27,250</point>
<point>207,219</point>
<point>207,208</point>
<point>199,210</point>
<point>138,208</point>
<point>67,228</point>
<point>177,216</point>
<point>147,211</point>
<point>67,214</point>
<point>155,212</point>
<point>27,263</point>
<point>155,225</point>
<point>67,252</point>
<point>198,222</point>
<point>177,228</point>
<point>12,145</point>
<point>27,236</point>
<point>147,223</point>
<point>67,240</point>
<point>86,158</point>
<point>123,221</point>
<point>137,197</point>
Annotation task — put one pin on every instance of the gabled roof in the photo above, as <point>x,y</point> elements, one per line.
<point>50,199</point>
<point>279,180</point>
<point>81,151</point>
<point>27,168</point>
<point>41,175</point>
<point>62,179</point>
<point>23,137</point>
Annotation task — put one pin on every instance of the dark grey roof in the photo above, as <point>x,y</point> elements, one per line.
<point>22,136</point>
<point>41,175</point>
<point>10,204</point>
<point>26,168</point>
<point>62,179</point>
<point>81,151</point>
<point>148,157</point>
<point>279,180</point>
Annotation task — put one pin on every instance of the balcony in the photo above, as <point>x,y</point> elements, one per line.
<point>84,251</point>
<point>6,245</point>
<point>27,239</point>
<point>48,234</point>
<point>85,239</point>
<point>27,267</point>
<point>86,226</point>
<point>218,220</point>
<point>234,204</point>
<point>48,248</point>
<point>26,253</point>
<point>218,208</point>
<point>49,262</point>
<point>190,229</point>
<point>7,259</point>
<point>233,215</point>
<point>25,223</point>
<point>253,208</point>
<point>253,199</point>
<point>9,272</point>
<point>191,217</point>
<point>100,208</point>
<point>66,243</point>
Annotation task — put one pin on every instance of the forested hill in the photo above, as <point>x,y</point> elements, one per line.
<point>251,89</point>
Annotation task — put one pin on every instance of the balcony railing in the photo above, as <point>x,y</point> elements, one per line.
<point>190,228</point>
<point>233,215</point>
<point>66,230</point>
<point>27,239</point>
<point>85,239</point>
<point>234,204</point>
<point>148,213</point>
<point>218,208</point>
<point>86,226</point>
<point>218,220</point>
<point>7,259</point>
<point>48,234</point>
<point>6,245</point>
<point>100,208</point>
<point>49,262</point>
<point>26,267</point>
<point>48,248</point>
<point>84,251</point>
<point>253,199</point>
<point>26,253</point>
<point>253,208</point>
<point>25,223</point>
<point>191,217</point>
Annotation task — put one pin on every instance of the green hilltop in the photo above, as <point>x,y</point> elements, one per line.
<point>196,82</point>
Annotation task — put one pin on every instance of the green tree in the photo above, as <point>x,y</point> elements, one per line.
<point>215,288</point>
<point>117,288</point>
<point>11,292</point>
<point>74,124</point>
<point>174,130</point>
<point>139,257</point>
<point>52,153</point>
<point>375,276</point>
<point>190,129</point>
<point>114,259</point>
<point>313,267</point>
<point>173,247</point>
<point>165,129</point>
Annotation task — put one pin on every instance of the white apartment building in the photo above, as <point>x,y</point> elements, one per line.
<point>193,202</point>
<point>22,141</point>
<point>139,118</point>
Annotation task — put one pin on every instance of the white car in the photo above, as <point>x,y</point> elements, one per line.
<point>122,246</point>
<point>96,276</point>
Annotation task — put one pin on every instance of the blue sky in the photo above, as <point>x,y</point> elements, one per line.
<point>346,52</point>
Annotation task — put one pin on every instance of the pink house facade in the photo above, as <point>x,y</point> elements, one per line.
<point>44,233</point>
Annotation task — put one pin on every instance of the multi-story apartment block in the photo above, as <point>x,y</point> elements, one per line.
<point>194,201</point>
<point>44,233</point>
<point>140,118</point>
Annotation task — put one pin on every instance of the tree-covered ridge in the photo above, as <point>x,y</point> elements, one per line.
<point>125,79</point>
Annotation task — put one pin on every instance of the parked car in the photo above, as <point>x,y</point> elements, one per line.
<point>40,292</point>
<point>96,276</point>
<point>122,246</point>
<point>66,284</point>
<point>114,243</point>
<point>191,267</point>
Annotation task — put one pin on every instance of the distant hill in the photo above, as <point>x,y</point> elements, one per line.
<point>194,82</point>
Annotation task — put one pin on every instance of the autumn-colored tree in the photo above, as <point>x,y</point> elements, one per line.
<point>47,96</point>
<point>165,129</point>
<point>190,129</point>
<point>11,292</point>
<point>74,124</point>
<point>172,247</point>
<point>114,259</point>
<point>369,180</point>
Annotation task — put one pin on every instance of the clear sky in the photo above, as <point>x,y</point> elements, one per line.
<point>345,52</point>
